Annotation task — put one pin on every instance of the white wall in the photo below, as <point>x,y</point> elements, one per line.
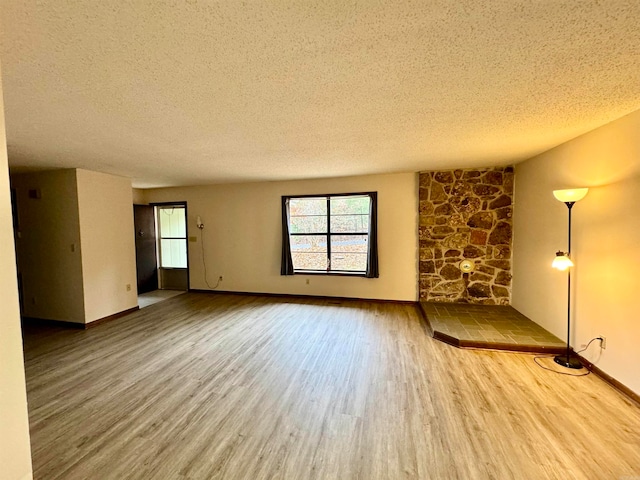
<point>242,236</point>
<point>108,244</point>
<point>605,244</point>
<point>49,250</point>
<point>15,451</point>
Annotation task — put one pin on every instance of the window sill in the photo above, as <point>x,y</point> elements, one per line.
<point>330,274</point>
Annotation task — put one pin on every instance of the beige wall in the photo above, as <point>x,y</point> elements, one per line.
<point>242,236</point>
<point>48,247</point>
<point>138,196</point>
<point>15,451</point>
<point>108,244</point>
<point>76,247</point>
<point>606,244</point>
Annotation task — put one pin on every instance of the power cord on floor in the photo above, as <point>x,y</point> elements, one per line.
<point>535,359</point>
<point>204,264</point>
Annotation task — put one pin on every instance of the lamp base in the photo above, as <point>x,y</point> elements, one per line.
<point>568,361</point>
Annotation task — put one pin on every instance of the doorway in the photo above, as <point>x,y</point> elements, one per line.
<point>162,263</point>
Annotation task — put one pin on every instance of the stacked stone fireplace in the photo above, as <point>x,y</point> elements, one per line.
<point>466,215</point>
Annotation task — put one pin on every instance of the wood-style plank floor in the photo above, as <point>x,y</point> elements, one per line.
<point>209,386</point>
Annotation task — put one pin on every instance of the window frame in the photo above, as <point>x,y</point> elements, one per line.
<point>159,237</point>
<point>328,234</point>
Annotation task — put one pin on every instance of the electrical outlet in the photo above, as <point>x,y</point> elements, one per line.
<point>128,287</point>
<point>603,342</point>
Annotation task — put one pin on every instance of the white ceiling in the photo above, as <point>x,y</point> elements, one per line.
<point>182,92</point>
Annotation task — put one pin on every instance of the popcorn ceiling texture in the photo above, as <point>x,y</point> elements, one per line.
<point>196,92</point>
<point>466,214</point>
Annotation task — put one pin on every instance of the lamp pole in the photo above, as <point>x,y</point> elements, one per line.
<point>563,262</point>
<point>568,361</point>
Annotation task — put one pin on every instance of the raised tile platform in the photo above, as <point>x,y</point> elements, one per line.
<point>488,326</point>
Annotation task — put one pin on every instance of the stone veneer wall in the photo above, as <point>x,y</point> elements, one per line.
<point>466,214</point>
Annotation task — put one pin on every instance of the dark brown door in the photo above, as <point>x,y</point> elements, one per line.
<point>146,262</point>
<point>16,234</point>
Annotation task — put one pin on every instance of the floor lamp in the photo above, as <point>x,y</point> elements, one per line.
<point>563,262</point>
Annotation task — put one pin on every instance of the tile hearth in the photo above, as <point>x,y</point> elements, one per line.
<point>488,326</point>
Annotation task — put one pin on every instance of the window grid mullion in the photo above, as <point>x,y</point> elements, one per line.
<point>328,234</point>
<point>335,234</point>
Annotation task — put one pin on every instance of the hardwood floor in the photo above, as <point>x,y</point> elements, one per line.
<point>208,386</point>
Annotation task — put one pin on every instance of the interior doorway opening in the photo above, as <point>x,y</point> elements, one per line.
<point>162,257</point>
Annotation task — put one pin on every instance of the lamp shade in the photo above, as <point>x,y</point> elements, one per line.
<point>562,261</point>
<point>570,194</point>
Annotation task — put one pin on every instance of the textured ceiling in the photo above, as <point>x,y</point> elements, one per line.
<point>192,92</point>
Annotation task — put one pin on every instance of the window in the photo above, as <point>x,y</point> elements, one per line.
<point>173,236</point>
<point>330,234</point>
